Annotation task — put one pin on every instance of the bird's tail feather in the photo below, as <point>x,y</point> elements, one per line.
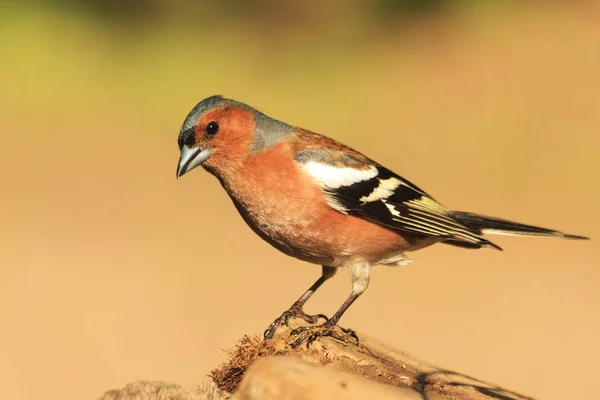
<point>497,226</point>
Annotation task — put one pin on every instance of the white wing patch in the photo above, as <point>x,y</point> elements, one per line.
<point>392,209</point>
<point>383,191</point>
<point>330,177</point>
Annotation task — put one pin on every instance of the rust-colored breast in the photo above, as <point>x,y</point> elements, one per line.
<point>285,207</point>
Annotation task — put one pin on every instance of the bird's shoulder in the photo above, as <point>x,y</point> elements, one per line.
<point>310,146</point>
<point>349,173</point>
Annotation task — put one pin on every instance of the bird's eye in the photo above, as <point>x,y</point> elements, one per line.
<point>212,128</point>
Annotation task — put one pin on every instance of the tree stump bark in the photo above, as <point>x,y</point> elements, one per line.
<point>327,369</point>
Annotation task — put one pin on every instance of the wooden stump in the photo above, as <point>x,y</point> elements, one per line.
<point>328,369</point>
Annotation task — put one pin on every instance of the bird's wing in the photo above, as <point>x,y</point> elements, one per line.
<point>354,185</point>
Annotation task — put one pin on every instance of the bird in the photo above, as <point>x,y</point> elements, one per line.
<point>320,201</point>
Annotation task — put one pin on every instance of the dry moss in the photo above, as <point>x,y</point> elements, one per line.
<point>228,375</point>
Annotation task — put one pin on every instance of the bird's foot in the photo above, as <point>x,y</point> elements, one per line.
<point>309,334</point>
<point>293,312</point>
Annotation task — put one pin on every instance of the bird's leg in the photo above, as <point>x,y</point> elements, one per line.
<point>308,334</point>
<point>296,309</point>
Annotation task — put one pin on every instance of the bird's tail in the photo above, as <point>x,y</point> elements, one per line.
<point>497,226</point>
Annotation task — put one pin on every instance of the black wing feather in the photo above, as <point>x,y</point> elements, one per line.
<point>389,200</point>
<point>405,208</point>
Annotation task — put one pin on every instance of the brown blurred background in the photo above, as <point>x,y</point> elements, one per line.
<point>111,270</point>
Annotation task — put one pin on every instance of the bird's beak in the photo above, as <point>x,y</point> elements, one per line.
<point>190,158</point>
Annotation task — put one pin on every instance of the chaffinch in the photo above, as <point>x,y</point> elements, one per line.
<point>323,202</point>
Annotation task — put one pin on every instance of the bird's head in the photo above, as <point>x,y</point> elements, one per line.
<point>220,134</point>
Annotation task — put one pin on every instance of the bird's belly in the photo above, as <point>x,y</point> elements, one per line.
<point>321,235</point>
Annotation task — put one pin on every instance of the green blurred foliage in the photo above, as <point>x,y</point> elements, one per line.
<point>260,14</point>
<point>133,10</point>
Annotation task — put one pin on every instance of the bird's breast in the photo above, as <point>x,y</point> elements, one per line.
<point>287,209</point>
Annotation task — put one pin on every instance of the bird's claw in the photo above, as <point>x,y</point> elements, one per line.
<point>309,334</point>
<point>293,312</point>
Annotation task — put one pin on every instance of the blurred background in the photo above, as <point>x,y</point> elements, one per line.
<point>111,270</point>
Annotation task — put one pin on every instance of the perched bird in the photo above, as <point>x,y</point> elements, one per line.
<point>323,202</point>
